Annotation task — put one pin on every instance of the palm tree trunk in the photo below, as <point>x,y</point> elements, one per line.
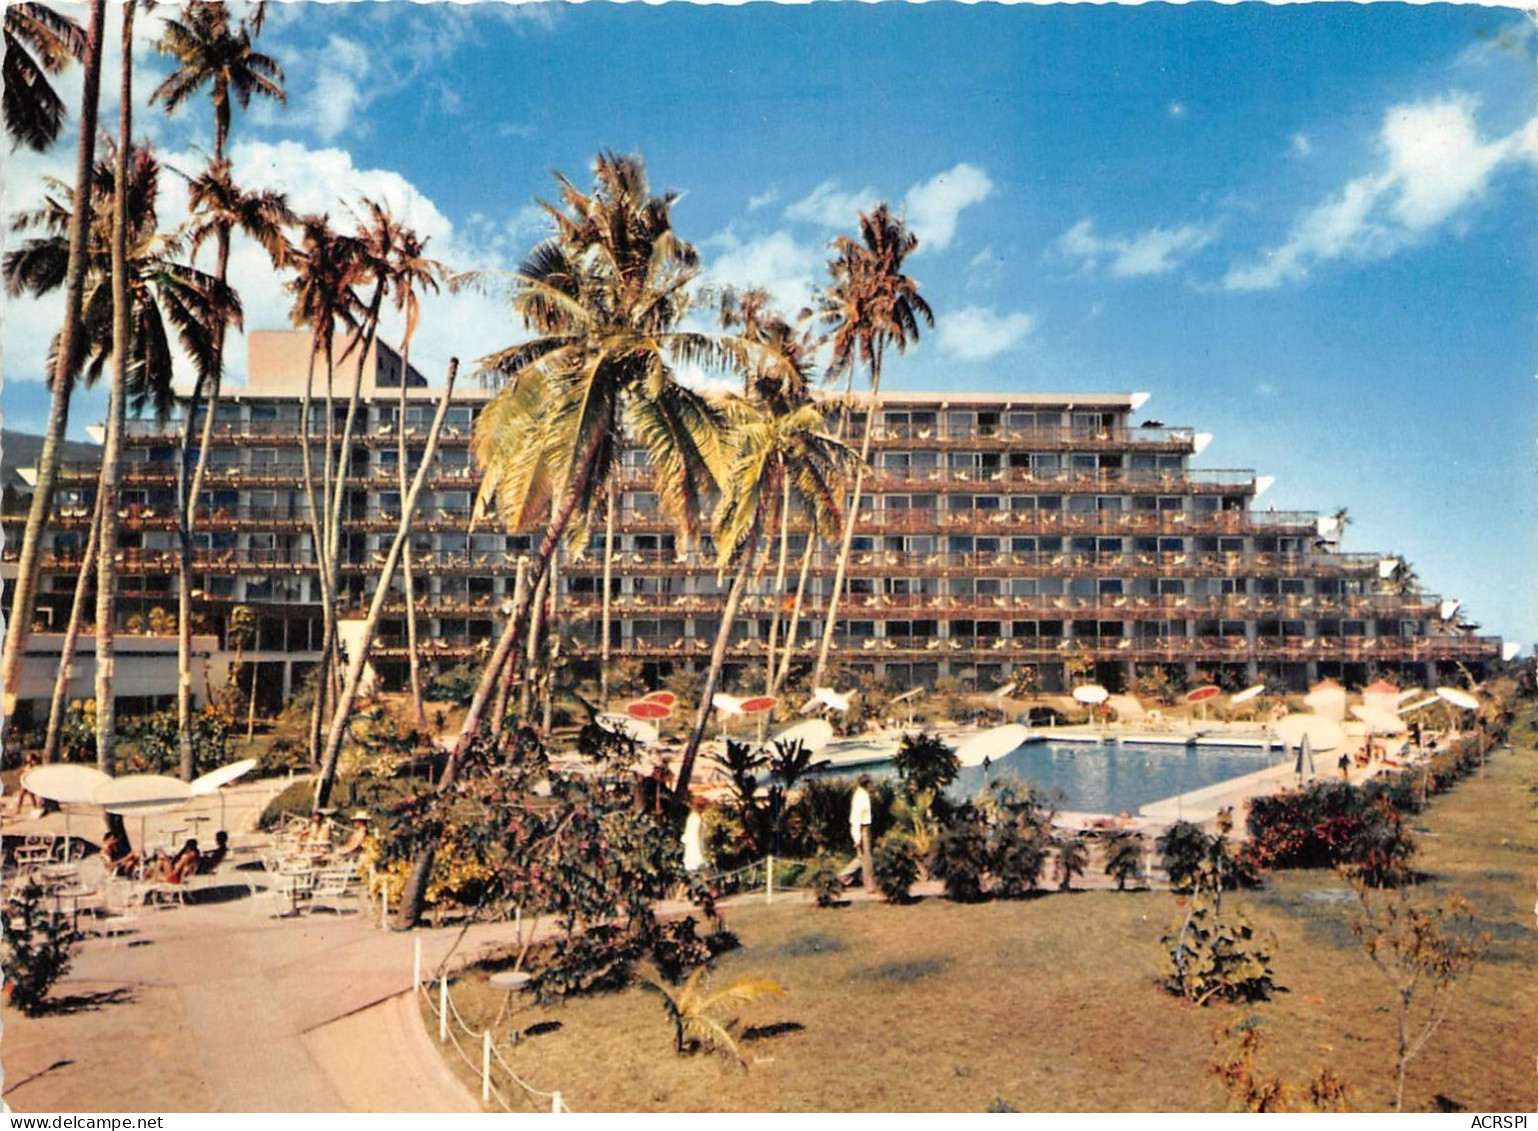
<point>413,663</point>
<point>317,549</point>
<point>358,661</point>
<point>531,658</point>
<point>830,622</point>
<point>415,890</point>
<point>553,585</point>
<point>505,685</point>
<point>106,575</point>
<point>251,710</point>
<point>66,674</point>
<point>187,505</point>
<point>24,593</point>
<point>788,653</point>
<point>608,595</point>
<point>779,586</point>
<point>713,676</point>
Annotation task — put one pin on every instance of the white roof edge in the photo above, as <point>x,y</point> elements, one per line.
<point>963,398</point>
<point>1138,400</point>
<point>1263,483</point>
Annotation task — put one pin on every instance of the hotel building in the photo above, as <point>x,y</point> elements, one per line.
<point>1004,536</point>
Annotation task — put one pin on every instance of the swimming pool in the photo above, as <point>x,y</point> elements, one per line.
<point>1115,778</point>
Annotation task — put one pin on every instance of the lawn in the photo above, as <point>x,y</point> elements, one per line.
<point>1051,1003</point>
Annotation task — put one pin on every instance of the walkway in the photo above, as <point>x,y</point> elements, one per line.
<point>217,1007</point>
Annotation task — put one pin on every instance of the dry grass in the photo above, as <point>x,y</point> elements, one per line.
<point>1050,1004</point>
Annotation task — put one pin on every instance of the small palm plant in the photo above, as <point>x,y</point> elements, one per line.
<point>694,1010</point>
<point>1124,858</point>
<point>1072,860</point>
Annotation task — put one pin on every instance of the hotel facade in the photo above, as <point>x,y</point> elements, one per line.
<point>1003,536</point>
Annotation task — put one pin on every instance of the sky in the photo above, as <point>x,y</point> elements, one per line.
<point>1305,229</point>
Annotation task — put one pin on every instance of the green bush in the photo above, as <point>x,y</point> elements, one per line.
<point>1018,852</point>
<point>1215,955</point>
<point>962,859</point>
<point>896,864</point>
<point>39,946</point>
<point>284,756</point>
<point>925,764</point>
<point>822,880</point>
<point>1183,847</point>
<point>1124,857</point>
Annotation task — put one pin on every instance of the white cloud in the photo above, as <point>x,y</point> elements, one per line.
<point>933,206</point>
<point>1176,110</point>
<point>1301,145</point>
<point>1156,251</point>
<point>777,262</point>
<point>763,199</point>
<point>339,92</point>
<point>828,207</point>
<point>976,333</point>
<point>1433,163</point>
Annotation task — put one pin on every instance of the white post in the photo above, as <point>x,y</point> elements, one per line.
<point>384,910</point>
<point>416,962</point>
<point>485,1066</point>
<point>769,881</point>
<point>556,1105</point>
<point>443,1011</point>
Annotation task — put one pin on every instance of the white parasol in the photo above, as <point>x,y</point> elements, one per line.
<point>1458,698</point>
<point>1247,694</point>
<point>635,729</point>
<point>1379,722</point>
<point>66,784</point>
<point>1419,703</point>
<point>727,704</point>
<point>1091,693</point>
<point>1001,692</point>
<point>1322,734</point>
<point>215,780</point>
<point>143,796</point>
<point>990,744</point>
<point>814,734</point>
<point>906,695</point>
<point>827,697</point>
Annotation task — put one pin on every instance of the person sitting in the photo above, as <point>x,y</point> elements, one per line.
<point>317,835</point>
<point>25,798</point>
<point>353,845</point>
<point>116,853</point>
<point>174,869</point>
<point>211,859</point>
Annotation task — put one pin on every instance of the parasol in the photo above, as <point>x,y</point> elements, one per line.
<point>1202,694</point>
<point>1091,693</point>
<point>666,698</point>
<point>648,709</point>
<point>727,704</point>
<point>634,729</point>
<point>215,780</point>
<point>1458,698</point>
<point>143,796</point>
<point>1247,694</point>
<point>1379,722</point>
<point>758,704</point>
<point>66,784</point>
<point>813,734</point>
<point>1322,734</point>
<point>990,744</point>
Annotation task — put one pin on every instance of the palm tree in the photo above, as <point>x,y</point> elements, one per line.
<point>773,453</point>
<point>411,272</point>
<point>219,208</point>
<point>210,51</point>
<point>692,1010</point>
<point>66,673</point>
<point>871,305</point>
<point>65,363</point>
<point>38,42</point>
<point>325,267</point>
<point>604,298</point>
<point>117,394</point>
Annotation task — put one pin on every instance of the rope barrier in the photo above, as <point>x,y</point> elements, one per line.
<point>446,1011</point>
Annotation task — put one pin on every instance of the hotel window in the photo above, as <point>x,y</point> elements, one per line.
<point>1049,502</point>
<point>862,629</point>
<point>1082,586</point>
<point>1172,545</point>
<point>1108,545</point>
<point>1353,628</point>
<point>450,543</point>
<point>898,628</point>
<point>987,424</point>
<point>1231,545</point>
<point>1110,587</point>
<point>987,545</point>
<point>1022,586</point>
<point>1205,504</point>
<point>1084,461</point>
<point>1081,504</point>
<point>1293,587</point>
<point>1022,545</point>
<point>989,629</point>
<point>862,544</point>
<point>1050,545</point>
<point>988,587</point>
<point>894,461</point>
<point>1050,628</point>
<point>1144,503</point>
<point>1169,502</point>
<point>921,544</point>
<point>459,416</point>
<point>1023,629</point>
<point>1047,462</point>
<point>1171,586</point>
<point>986,502</point>
<point>1108,504</point>
<point>1110,628</point>
<point>1229,585</point>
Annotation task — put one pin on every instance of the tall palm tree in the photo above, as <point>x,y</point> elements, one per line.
<point>66,672</point>
<point>604,298</point>
<point>774,453</point>
<point>38,42</point>
<point>871,304</point>
<point>211,51</point>
<point>325,266</point>
<point>117,395</point>
<point>411,273</point>
<point>65,366</point>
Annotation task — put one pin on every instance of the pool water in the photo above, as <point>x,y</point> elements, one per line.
<point>1112,778</point>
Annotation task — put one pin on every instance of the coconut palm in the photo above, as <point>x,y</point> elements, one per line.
<point>38,42</point>
<point>604,298</point>
<point>693,1011</point>
<point>64,365</point>
<point>871,305</point>
<point>66,672</point>
<point>211,51</point>
<point>773,455</point>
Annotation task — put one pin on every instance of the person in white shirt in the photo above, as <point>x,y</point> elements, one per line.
<point>694,837</point>
<point>859,832</point>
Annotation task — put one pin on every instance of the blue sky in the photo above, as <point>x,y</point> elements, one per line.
<point>1305,229</point>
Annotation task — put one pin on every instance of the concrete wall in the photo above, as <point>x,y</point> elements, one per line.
<point>146,666</point>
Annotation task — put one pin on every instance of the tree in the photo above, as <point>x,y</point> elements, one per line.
<point>872,305</point>
<point>65,364</point>
<point>773,454</point>
<point>604,298</point>
<point>1072,860</point>
<point>693,1011</point>
<point>925,764</point>
<point>1124,858</point>
<point>66,673</point>
<point>38,42</point>
<point>211,51</point>
<point>1423,952</point>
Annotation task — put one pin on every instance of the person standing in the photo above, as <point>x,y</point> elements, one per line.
<point>859,832</point>
<point>694,836</point>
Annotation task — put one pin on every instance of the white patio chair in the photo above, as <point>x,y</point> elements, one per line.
<point>330,887</point>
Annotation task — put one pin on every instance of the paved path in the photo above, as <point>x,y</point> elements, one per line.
<point>218,1007</point>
